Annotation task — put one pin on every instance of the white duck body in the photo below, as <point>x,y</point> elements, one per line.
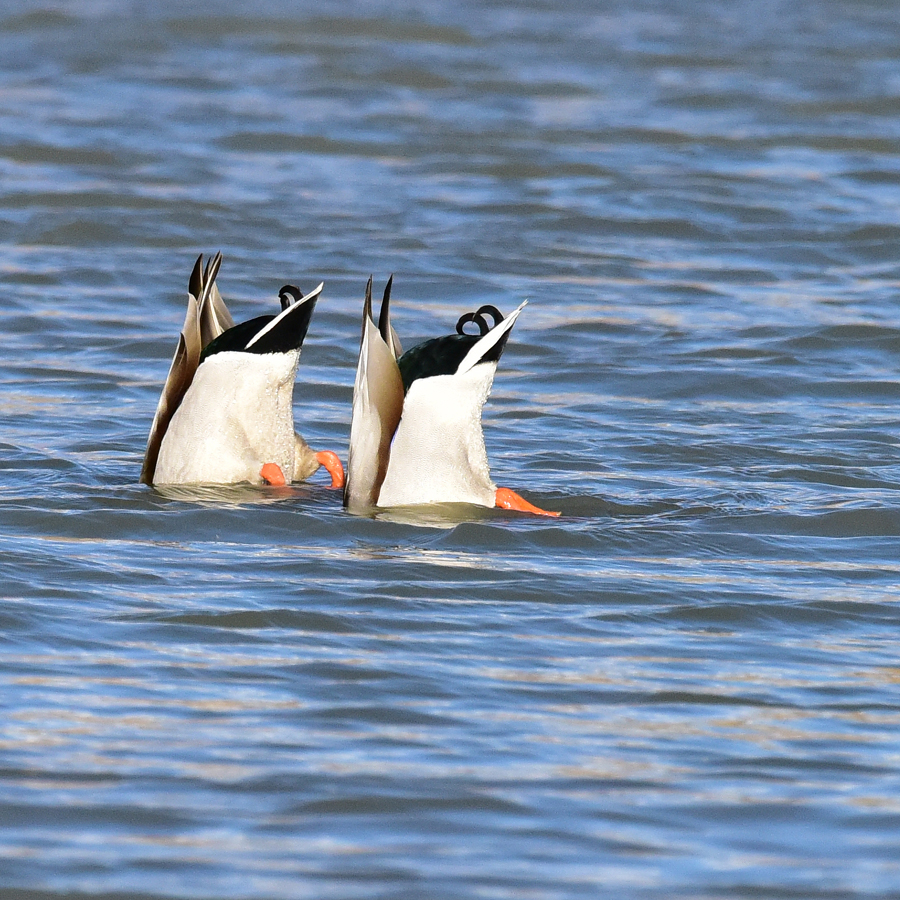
<point>236,416</point>
<point>438,453</point>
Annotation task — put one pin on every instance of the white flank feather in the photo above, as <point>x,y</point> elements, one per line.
<point>236,416</point>
<point>438,454</point>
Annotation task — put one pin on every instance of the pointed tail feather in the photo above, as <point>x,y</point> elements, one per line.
<point>214,315</point>
<point>181,374</point>
<point>377,405</point>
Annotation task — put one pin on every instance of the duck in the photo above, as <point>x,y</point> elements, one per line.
<point>416,433</point>
<point>225,415</point>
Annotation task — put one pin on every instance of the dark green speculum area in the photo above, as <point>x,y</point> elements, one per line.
<point>237,337</point>
<point>439,356</point>
<point>442,356</point>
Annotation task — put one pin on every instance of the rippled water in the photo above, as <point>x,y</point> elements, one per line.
<point>687,686</point>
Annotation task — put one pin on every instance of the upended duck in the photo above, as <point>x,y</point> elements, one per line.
<point>226,411</point>
<point>415,434</point>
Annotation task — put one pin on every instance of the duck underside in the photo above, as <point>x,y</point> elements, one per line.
<point>438,453</point>
<point>236,417</point>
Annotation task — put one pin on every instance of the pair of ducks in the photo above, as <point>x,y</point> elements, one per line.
<point>226,411</point>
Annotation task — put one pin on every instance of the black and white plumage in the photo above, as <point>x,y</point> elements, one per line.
<point>226,411</point>
<point>416,434</point>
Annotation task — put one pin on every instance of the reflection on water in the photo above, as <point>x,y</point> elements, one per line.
<point>230,495</point>
<point>438,515</point>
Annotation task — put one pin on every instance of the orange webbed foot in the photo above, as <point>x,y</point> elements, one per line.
<point>271,474</point>
<point>331,461</point>
<point>509,499</point>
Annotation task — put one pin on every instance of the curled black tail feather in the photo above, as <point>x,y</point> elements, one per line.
<point>478,318</point>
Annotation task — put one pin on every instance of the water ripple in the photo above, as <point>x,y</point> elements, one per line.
<point>683,687</point>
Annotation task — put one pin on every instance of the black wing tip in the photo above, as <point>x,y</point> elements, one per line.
<point>202,277</point>
<point>367,303</point>
<point>289,332</point>
<point>195,282</point>
<point>494,354</point>
<point>384,315</point>
<point>287,335</point>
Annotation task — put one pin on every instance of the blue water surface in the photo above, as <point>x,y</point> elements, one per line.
<point>686,686</point>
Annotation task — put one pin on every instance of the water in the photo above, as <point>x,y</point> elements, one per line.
<point>687,686</point>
